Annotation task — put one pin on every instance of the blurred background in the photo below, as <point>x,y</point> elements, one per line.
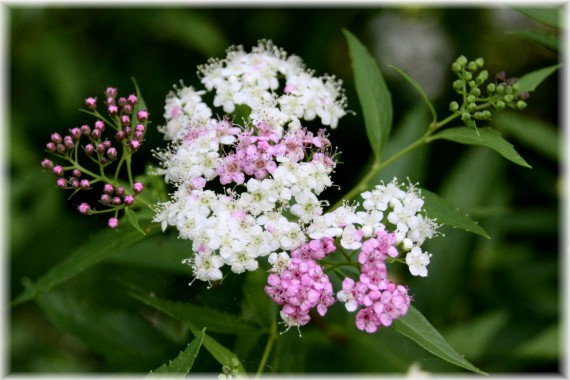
<point>496,301</point>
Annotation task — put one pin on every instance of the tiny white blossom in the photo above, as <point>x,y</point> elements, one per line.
<point>417,262</point>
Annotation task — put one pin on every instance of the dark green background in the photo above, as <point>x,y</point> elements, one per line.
<point>496,301</point>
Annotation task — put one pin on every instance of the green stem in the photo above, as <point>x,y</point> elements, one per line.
<point>268,347</point>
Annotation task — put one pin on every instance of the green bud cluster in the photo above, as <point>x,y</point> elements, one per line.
<point>470,84</point>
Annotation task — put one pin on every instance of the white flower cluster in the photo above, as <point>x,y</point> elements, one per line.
<point>253,79</point>
<point>387,207</point>
<point>279,168</point>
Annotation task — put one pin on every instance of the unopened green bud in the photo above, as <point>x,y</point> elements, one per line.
<point>471,98</point>
<point>491,88</point>
<point>458,85</point>
<point>521,105</point>
<point>453,106</point>
<point>472,66</point>
<point>455,67</point>
<point>516,86</point>
<point>476,91</point>
<point>461,60</point>
<point>508,98</point>
<point>472,84</point>
<point>509,89</point>
<point>480,62</point>
<point>471,107</point>
<point>500,89</point>
<point>482,77</point>
<point>467,75</point>
<point>500,105</point>
<point>486,115</point>
<point>478,115</point>
<point>465,116</point>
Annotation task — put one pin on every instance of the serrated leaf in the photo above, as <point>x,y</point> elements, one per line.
<point>419,89</point>
<point>133,220</point>
<point>100,246</point>
<point>547,40</point>
<point>375,99</point>
<point>448,214</point>
<point>546,16</point>
<point>183,363</point>
<point>416,327</point>
<point>201,316</point>
<point>178,311</point>
<point>530,81</point>
<point>482,136</point>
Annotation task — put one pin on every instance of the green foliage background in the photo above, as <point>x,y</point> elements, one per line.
<point>496,301</point>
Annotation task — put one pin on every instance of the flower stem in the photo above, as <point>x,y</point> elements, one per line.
<point>268,347</point>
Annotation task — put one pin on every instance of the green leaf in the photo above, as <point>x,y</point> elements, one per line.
<point>98,247</point>
<point>482,136</point>
<point>200,316</point>
<point>419,89</point>
<point>182,364</point>
<point>535,134</point>
<point>545,346</point>
<point>188,315</point>
<point>448,214</point>
<point>141,105</point>
<point>530,81</point>
<point>416,327</point>
<point>375,99</point>
<point>133,219</point>
<point>549,41</point>
<point>546,16</point>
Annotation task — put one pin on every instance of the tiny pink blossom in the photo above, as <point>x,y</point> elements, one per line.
<point>125,120</point>
<point>134,144</point>
<point>58,170</point>
<point>142,115</point>
<point>91,103</point>
<point>99,124</point>
<point>85,184</point>
<point>129,199</point>
<point>110,92</point>
<point>138,187</point>
<point>132,99</point>
<point>84,208</point>
<point>47,164</point>
<point>108,188</point>
<point>61,183</point>
<point>113,223</point>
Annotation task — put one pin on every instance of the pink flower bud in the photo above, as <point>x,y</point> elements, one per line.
<point>113,110</point>
<point>91,103</point>
<point>84,208</point>
<point>116,201</point>
<point>105,199</point>
<point>76,173</point>
<point>51,147</point>
<point>120,191</point>
<point>89,148</point>
<point>108,188</point>
<point>112,153</point>
<point>139,135</point>
<point>47,164</point>
<point>68,142</point>
<point>110,101</point>
<point>85,129</point>
<point>142,115</point>
<point>103,160</point>
<point>99,124</point>
<point>111,92</point>
<point>132,99</point>
<point>138,187</point>
<point>60,148</point>
<point>134,144</point>
<point>127,131</point>
<point>75,133</point>
<point>125,120</point>
<point>74,183</point>
<point>56,138</point>
<point>120,136</point>
<point>106,144</point>
<point>129,200</point>
<point>96,134</point>
<point>127,109</point>
<point>100,148</point>
<point>85,184</point>
<point>122,101</point>
<point>58,171</point>
<point>61,183</point>
<point>113,223</point>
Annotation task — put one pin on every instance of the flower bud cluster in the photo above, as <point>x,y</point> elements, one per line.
<point>127,124</point>
<point>471,78</point>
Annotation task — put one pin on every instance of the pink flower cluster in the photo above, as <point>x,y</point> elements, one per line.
<point>303,285</point>
<point>381,300</point>
<point>257,150</point>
